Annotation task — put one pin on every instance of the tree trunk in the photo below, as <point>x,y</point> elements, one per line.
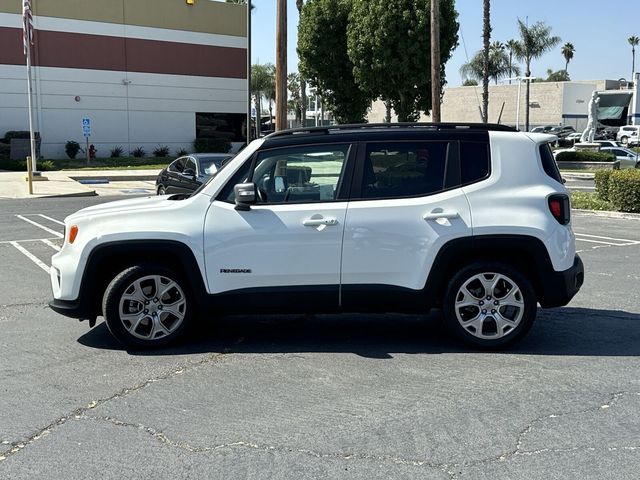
<point>486,36</point>
<point>435,60</point>
<point>303,102</point>
<point>258,112</point>
<point>510,66</point>
<point>387,117</point>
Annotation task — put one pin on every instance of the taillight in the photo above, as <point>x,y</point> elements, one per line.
<point>560,208</point>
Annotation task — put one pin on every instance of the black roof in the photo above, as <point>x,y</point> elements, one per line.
<point>385,131</point>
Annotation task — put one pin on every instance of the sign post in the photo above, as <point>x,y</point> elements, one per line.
<point>86,131</point>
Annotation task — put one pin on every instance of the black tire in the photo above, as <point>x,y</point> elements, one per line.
<point>161,190</point>
<point>172,325</point>
<point>508,274</point>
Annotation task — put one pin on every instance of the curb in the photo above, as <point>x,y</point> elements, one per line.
<point>116,178</point>
<point>607,214</point>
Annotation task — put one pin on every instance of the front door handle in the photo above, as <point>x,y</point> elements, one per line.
<point>434,215</point>
<point>316,222</point>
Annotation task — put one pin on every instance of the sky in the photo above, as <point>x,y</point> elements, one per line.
<point>597,30</point>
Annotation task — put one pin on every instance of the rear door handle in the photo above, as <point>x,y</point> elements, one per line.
<point>444,214</point>
<point>315,222</point>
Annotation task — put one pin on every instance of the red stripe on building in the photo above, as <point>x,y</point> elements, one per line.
<point>99,52</point>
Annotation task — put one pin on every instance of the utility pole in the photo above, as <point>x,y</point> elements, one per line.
<point>281,65</point>
<point>435,60</point>
<point>249,72</point>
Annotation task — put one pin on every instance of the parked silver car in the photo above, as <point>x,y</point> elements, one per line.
<point>627,158</point>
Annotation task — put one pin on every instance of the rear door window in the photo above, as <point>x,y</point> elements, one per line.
<point>403,169</point>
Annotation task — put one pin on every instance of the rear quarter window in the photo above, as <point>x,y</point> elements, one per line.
<point>474,162</point>
<point>549,163</point>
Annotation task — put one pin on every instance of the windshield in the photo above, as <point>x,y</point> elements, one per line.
<point>211,165</point>
<point>242,155</point>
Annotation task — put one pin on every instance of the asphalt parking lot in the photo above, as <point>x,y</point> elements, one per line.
<point>358,396</point>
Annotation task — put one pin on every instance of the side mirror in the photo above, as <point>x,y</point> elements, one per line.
<point>189,172</point>
<point>245,195</point>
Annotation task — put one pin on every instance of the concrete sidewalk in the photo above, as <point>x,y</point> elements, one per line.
<point>65,183</point>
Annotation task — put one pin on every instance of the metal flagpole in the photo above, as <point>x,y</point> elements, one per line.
<point>28,41</point>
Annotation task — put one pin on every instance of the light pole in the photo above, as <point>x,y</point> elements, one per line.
<point>519,79</point>
<point>248,71</point>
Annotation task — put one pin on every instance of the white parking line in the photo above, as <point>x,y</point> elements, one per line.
<point>46,229</point>
<point>51,219</point>
<point>31,256</point>
<point>608,241</point>
<point>51,244</point>
<point>3,242</point>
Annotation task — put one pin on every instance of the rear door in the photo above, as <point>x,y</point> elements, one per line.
<point>407,202</point>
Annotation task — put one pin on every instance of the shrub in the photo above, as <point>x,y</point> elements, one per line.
<point>5,150</point>
<point>214,144</point>
<point>602,183</point>
<point>16,134</point>
<point>585,156</point>
<point>181,152</point>
<point>46,165</point>
<point>116,152</point>
<point>161,151</point>
<point>138,152</point>
<point>72,148</point>
<point>624,190</point>
<point>13,165</point>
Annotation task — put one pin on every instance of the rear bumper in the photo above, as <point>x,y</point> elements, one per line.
<point>560,287</point>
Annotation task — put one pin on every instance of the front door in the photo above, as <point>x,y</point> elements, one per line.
<point>289,244</point>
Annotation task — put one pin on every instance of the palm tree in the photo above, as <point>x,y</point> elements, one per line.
<point>498,64</point>
<point>633,41</point>
<point>261,79</point>
<point>535,41</point>
<point>486,37</point>
<point>511,46</point>
<point>270,90</point>
<point>567,53</point>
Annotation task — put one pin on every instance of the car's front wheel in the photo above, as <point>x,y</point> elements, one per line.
<point>161,190</point>
<point>147,306</point>
<point>489,305</point>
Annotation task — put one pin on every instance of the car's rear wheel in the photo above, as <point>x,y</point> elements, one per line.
<point>147,306</point>
<point>489,305</point>
<point>624,140</point>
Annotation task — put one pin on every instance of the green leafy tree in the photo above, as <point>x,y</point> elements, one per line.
<point>633,41</point>
<point>295,103</point>
<point>498,64</point>
<point>240,2</point>
<point>559,76</point>
<point>535,41</point>
<point>389,45</point>
<point>470,82</point>
<point>324,63</point>
<point>567,52</point>
<point>262,79</point>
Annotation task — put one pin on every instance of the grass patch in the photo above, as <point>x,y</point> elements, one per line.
<point>119,163</point>
<point>589,201</point>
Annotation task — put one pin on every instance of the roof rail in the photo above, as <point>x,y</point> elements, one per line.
<point>388,126</point>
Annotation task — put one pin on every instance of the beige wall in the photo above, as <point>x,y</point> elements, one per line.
<point>460,104</point>
<point>205,16</point>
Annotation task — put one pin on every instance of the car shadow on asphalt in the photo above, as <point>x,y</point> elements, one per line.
<point>561,331</point>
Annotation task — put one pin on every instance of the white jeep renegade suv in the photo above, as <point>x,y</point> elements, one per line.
<point>472,219</point>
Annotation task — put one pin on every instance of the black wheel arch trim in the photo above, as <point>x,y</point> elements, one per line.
<point>525,252</point>
<point>108,259</point>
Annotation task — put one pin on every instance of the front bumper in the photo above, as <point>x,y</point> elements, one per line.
<point>73,309</point>
<point>560,287</point>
